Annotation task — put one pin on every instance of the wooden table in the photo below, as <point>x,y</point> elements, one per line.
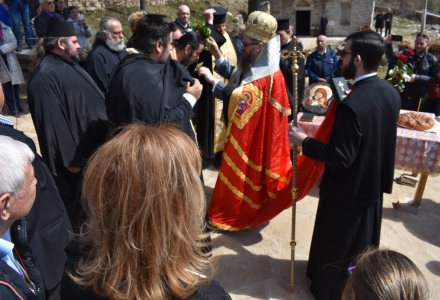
<point>416,151</point>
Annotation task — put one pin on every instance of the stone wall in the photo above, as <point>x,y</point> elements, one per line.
<point>92,5</point>
<point>344,16</point>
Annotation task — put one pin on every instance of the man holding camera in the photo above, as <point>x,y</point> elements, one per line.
<point>82,30</point>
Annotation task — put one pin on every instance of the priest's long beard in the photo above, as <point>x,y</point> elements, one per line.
<point>248,60</point>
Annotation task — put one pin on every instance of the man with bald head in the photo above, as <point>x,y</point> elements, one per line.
<point>183,13</point>
<point>322,64</point>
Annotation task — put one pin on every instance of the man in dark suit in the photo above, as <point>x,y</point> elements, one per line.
<point>41,245</point>
<point>48,14</point>
<point>388,17</point>
<point>359,167</point>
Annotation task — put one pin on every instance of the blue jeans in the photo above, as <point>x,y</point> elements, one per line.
<point>12,97</point>
<point>22,7</point>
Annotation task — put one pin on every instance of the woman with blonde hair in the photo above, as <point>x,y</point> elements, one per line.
<point>133,19</point>
<point>382,274</point>
<point>145,206</point>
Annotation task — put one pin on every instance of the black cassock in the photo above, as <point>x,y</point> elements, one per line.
<point>47,224</point>
<point>101,62</point>
<point>142,89</point>
<point>69,115</point>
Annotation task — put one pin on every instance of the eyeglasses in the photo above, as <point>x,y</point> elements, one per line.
<point>117,32</point>
<point>248,44</point>
<point>343,53</point>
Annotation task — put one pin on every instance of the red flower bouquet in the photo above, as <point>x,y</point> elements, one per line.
<point>402,71</point>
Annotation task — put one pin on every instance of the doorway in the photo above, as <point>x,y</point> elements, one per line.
<point>302,22</point>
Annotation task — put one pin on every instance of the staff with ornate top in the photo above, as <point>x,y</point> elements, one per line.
<point>294,68</point>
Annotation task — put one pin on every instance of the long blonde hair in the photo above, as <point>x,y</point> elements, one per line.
<point>145,205</point>
<point>385,275</point>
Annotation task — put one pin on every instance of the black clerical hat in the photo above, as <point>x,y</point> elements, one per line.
<point>219,15</point>
<point>283,24</point>
<point>60,29</point>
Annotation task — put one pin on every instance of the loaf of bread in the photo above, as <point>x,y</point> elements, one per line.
<point>416,121</point>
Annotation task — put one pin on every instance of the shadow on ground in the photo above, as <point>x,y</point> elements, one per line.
<point>423,225</point>
<point>243,271</point>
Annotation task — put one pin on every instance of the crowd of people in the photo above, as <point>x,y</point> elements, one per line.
<point>115,206</point>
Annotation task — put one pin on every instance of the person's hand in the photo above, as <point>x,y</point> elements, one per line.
<point>389,40</point>
<point>195,89</point>
<point>73,169</point>
<point>296,135</point>
<point>323,80</point>
<point>413,78</point>
<point>213,48</point>
<point>208,15</point>
<point>205,72</point>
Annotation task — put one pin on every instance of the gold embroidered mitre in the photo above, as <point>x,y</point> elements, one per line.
<point>260,26</point>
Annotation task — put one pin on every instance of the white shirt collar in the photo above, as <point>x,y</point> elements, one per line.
<point>364,76</point>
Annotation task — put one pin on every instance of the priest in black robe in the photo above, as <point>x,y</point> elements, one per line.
<point>147,85</point>
<point>359,167</point>
<point>68,112</point>
<point>207,115</point>
<point>108,50</point>
<point>285,33</point>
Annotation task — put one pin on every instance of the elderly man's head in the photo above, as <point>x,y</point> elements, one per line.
<point>183,14</point>
<point>17,181</point>
<point>189,47</point>
<point>153,36</point>
<point>48,6</point>
<point>321,42</point>
<point>219,21</point>
<point>112,33</point>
